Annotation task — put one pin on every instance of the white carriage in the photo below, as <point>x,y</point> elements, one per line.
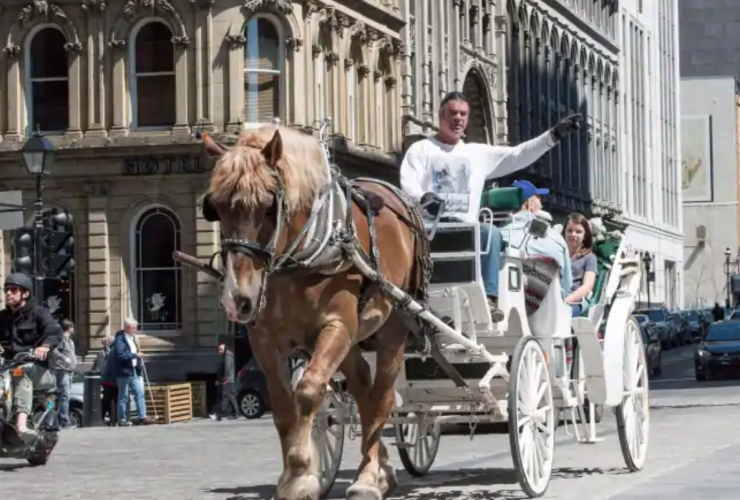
<point>535,368</point>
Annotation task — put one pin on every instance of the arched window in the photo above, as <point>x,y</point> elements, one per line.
<point>156,301</point>
<point>479,130</point>
<point>48,82</point>
<point>263,71</point>
<point>153,89</point>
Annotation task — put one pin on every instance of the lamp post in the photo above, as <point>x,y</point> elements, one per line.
<point>647,262</point>
<point>38,158</point>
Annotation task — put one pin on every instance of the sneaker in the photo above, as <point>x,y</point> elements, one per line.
<point>27,435</point>
<point>146,421</point>
<point>69,426</point>
<point>212,416</point>
<point>124,423</point>
<point>497,315</point>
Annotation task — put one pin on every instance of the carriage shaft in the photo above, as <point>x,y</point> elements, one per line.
<point>413,307</point>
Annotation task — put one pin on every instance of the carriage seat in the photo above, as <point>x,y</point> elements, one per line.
<point>605,252</point>
<point>539,273</point>
<point>502,200</point>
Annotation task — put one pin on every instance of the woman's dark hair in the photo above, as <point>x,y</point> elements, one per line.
<point>66,325</point>
<point>588,237</point>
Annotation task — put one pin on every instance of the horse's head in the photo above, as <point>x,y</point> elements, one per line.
<point>260,191</point>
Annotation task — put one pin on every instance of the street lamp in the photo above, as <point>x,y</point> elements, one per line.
<point>38,157</point>
<point>647,262</point>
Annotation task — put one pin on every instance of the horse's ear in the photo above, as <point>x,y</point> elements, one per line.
<point>213,148</point>
<point>273,151</point>
<point>209,213</point>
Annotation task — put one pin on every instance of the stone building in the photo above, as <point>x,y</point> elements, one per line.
<point>454,46</point>
<point>563,59</point>
<point>123,88</point>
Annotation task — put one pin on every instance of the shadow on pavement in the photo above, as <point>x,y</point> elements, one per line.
<point>13,467</point>
<point>573,473</point>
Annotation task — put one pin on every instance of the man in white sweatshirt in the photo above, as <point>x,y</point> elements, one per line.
<point>445,169</point>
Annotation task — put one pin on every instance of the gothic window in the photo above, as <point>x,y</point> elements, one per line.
<point>48,82</point>
<point>156,299</point>
<point>264,58</point>
<point>478,126</point>
<point>322,74</point>
<point>153,85</point>
<point>354,92</point>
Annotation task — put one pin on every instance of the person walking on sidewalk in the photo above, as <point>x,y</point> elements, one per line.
<point>227,402</point>
<point>129,361</point>
<point>63,360</point>
<point>105,365</point>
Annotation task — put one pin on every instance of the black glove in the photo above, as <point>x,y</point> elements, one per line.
<point>566,126</point>
<point>431,203</point>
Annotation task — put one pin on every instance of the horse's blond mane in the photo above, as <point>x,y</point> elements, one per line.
<point>242,175</point>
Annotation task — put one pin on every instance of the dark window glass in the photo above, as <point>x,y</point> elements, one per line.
<point>263,45</point>
<point>49,84</point>
<point>158,276</point>
<point>155,78</point>
<point>154,50</point>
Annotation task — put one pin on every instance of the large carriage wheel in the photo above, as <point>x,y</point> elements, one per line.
<point>328,436</point>
<point>633,415</point>
<point>531,417</point>
<point>418,445</point>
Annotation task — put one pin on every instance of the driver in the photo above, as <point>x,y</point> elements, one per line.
<point>24,327</point>
<point>444,168</point>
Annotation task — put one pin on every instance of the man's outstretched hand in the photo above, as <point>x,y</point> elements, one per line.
<point>567,125</point>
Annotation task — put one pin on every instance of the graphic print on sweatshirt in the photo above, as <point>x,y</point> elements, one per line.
<point>451,181</point>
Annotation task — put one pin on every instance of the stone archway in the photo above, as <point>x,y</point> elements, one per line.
<point>480,125</point>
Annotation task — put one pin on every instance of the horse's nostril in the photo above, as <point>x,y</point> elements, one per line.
<point>244,304</point>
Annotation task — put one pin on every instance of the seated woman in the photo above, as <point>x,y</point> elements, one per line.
<point>578,236</point>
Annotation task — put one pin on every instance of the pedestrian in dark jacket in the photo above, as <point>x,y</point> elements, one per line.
<point>26,327</point>
<point>225,382</point>
<point>718,312</point>
<point>105,365</point>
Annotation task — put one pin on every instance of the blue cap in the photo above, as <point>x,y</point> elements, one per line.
<point>529,189</point>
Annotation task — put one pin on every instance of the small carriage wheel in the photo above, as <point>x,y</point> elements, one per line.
<point>417,451</point>
<point>531,417</point>
<point>328,436</point>
<point>633,414</point>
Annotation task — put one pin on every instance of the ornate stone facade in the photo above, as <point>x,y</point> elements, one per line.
<point>130,147</point>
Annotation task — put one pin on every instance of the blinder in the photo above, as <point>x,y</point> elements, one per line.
<point>209,213</point>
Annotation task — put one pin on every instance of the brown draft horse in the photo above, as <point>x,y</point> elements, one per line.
<point>309,310</point>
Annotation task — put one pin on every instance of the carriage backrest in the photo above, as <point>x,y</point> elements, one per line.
<point>498,200</point>
<point>539,273</point>
<point>606,252</point>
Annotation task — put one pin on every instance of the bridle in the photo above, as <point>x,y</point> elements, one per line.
<point>256,250</point>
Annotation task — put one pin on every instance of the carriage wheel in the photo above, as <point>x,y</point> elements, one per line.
<point>328,436</point>
<point>633,415</point>
<point>531,417</point>
<point>418,445</point>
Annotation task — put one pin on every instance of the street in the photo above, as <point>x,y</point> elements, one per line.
<point>694,453</point>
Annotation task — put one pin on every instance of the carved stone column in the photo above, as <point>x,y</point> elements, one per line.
<point>208,317</point>
<point>236,81</point>
<point>117,53</point>
<point>98,262</point>
<point>74,87</point>
<point>15,105</point>
<point>181,127</point>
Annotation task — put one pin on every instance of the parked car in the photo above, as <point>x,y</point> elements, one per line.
<point>697,324</point>
<point>251,388</point>
<point>664,327</point>
<point>651,341</point>
<point>719,351</point>
<point>683,328</point>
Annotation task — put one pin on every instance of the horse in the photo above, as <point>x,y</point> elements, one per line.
<point>262,191</point>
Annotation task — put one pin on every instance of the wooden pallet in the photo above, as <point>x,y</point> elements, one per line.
<point>200,399</point>
<point>170,402</point>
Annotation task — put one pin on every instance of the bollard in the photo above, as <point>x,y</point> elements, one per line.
<point>92,415</point>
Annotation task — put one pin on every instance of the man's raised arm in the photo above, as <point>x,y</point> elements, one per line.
<point>506,160</point>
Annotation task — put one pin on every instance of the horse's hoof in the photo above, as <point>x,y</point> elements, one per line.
<point>300,488</point>
<point>387,482</point>
<point>360,491</point>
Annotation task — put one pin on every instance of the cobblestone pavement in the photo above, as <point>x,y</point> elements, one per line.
<point>692,450</point>
<point>694,454</point>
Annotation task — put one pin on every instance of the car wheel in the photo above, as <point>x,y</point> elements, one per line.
<point>251,404</point>
<point>75,416</point>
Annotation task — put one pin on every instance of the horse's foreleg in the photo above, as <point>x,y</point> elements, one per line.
<point>302,461</point>
<point>376,477</point>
